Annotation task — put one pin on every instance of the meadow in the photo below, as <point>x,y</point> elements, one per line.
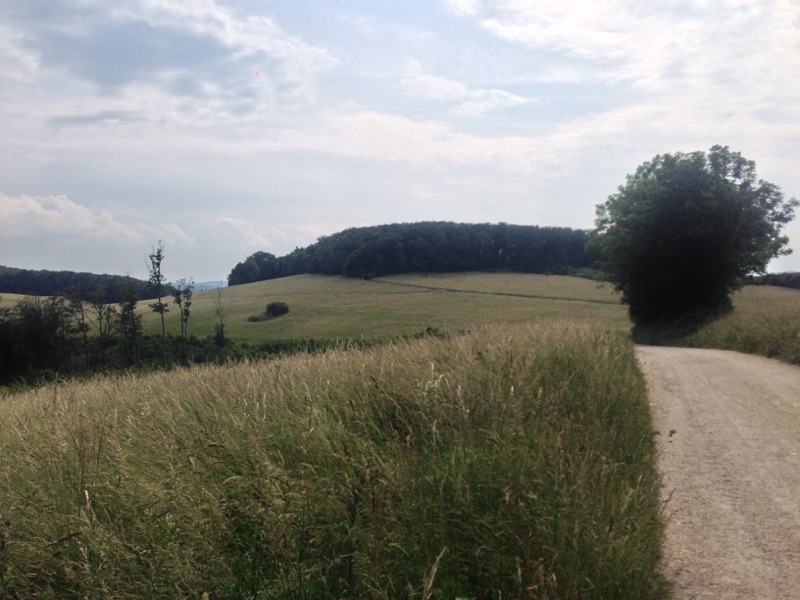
<point>325,307</point>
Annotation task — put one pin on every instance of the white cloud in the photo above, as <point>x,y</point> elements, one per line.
<point>223,131</point>
<point>387,137</point>
<point>659,47</point>
<point>58,215</point>
<point>15,61</point>
<point>186,62</point>
<point>467,102</point>
<point>245,232</point>
<point>463,7</point>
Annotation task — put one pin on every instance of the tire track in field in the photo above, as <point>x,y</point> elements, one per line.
<point>433,288</point>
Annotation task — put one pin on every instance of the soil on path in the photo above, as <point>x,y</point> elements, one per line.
<point>729,455</point>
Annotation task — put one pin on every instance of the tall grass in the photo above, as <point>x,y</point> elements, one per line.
<point>501,464</point>
<point>765,321</point>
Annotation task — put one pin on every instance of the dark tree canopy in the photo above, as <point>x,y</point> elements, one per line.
<point>685,230</point>
<point>114,288</point>
<point>427,246</point>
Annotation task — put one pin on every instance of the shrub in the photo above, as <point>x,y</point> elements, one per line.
<point>276,309</point>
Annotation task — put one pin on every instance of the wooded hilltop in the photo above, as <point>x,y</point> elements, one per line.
<point>84,286</point>
<point>443,247</point>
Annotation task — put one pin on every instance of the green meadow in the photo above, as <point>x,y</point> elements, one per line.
<point>325,307</point>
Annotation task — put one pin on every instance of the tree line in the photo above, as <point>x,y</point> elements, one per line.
<point>443,247</point>
<point>788,280</point>
<point>76,333</point>
<point>86,286</point>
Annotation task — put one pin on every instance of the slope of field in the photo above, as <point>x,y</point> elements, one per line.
<point>326,307</point>
<point>10,300</point>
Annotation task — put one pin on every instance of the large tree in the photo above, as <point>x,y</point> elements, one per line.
<point>684,231</point>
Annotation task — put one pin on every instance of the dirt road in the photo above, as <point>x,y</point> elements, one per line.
<point>729,454</point>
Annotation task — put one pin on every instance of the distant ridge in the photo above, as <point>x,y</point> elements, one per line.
<point>431,246</point>
<point>86,286</point>
<point>202,286</point>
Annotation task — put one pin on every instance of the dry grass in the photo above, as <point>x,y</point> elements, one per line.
<point>511,462</point>
<point>10,300</point>
<point>765,320</point>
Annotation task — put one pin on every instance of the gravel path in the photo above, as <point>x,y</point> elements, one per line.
<point>729,455</point>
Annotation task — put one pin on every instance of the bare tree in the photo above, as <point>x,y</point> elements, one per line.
<point>130,324</point>
<point>78,309</point>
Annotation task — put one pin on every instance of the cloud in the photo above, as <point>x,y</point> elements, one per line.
<point>651,45</point>
<point>463,7</point>
<point>58,215</point>
<point>245,232</point>
<point>16,62</point>
<point>466,101</point>
<point>103,117</point>
<point>688,74</point>
<point>196,55</point>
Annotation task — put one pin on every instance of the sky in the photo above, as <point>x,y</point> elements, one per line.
<point>229,127</point>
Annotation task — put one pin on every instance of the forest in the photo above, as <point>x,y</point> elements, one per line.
<point>442,247</point>
<point>85,286</point>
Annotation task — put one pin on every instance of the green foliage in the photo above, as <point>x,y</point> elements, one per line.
<point>685,230</point>
<point>257,267</point>
<point>68,283</point>
<point>276,309</point>
<point>501,464</point>
<point>788,280</point>
<point>442,247</point>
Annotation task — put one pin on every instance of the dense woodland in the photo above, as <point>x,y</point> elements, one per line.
<point>85,286</point>
<point>442,247</point>
<point>788,280</point>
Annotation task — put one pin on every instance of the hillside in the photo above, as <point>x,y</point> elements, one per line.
<point>325,307</point>
<point>42,338</point>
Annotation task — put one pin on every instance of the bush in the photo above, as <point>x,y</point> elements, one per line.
<point>276,309</point>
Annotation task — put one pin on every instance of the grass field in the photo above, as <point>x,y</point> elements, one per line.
<point>325,307</point>
<point>765,320</point>
<point>513,462</point>
<point>9,300</point>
